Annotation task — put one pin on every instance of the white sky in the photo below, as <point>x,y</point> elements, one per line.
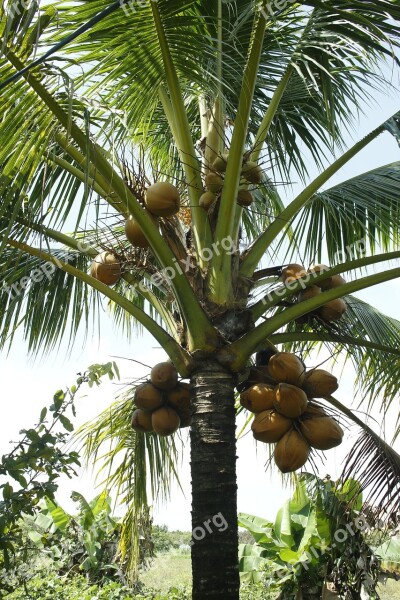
<point>26,386</point>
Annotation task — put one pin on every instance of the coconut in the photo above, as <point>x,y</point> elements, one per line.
<point>179,397</point>
<point>286,367</point>
<point>165,421</point>
<point>214,182</point>
<point>291,452</point>
<point>185,415</point>
<point>258,397</point>
<point>252,172</point>
<point>258,375</point>
<point>162,199</point>
<point>292,272</point>
<point>135,234</point>
<point>333,310</point>
<point>313,410</point>
<point>322,433</point>
<point>207,200</point>
<point>309,292</point>
<point>318,269</point>
<point>106,268</point>
<point>332,282</point>
<point>148,397</point>
<point>319,383</point>
<point>289,400</point>
<point>164,376</point>
<point>220,163</point>
<point>244,198</point>
<point>269,426</point>
<point>141,421</point>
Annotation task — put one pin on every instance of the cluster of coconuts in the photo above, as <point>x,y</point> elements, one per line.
<point>285,414</point>
<point>331,311</point>
<point>162,403</point>
<point>251,172</point>
<point>162,199</point>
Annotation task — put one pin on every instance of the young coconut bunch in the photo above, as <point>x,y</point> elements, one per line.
<point>163,405</point>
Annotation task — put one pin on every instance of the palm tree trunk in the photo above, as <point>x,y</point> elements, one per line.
<point>214,489</point>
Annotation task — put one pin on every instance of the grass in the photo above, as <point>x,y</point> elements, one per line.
<point>390,591</point>
<point>167,570</point>
<point>173,568</point>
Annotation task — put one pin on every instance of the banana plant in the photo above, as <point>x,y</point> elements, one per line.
<point>314,538</point>
<point>97,104</point>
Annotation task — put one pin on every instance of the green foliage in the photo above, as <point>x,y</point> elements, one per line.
<point>32,468</point>
<point>87,541</point>
<point>315,535</point>
<point>165,540</point>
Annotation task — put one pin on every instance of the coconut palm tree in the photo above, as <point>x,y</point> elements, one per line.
<point>147,91</point>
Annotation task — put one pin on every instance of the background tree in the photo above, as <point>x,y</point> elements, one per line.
<point>158,91</point>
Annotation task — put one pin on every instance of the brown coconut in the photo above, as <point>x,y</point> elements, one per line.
<point>207,200</point>
<point>292,272</point>
<point>179,397</point>
<point>165,421</point>
<point>148,397</point>
<point>141,421</point>
<point>269,426</point>
<point>291,452</point>
<point>134,233</point>
<point>106,268</point>
<point>164,376</point>
<point>286,367</point>
<point>333,310</point>
<point>322,433</point>
<point>313,410</point>
<point>252,172</point>
<point>318,269</point>
<point>332,282</point>
<point>162,199</point>
<point>258,374</point>
<point>214,182</point>
<point>244,198</point>
<point>309,292</point>
<point>258,397</point>
<point>319,383</point>
<point>289,400</point>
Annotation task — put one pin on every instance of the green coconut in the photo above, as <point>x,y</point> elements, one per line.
<point>252,172</point>
<point>207,200</point>
<point>214,182</point>
<point>162,199</point>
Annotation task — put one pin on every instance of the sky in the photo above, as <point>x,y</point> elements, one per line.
<point>26,385</point>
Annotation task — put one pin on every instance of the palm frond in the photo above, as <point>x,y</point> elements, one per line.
<point>363,211</point>
<point>376,466</point>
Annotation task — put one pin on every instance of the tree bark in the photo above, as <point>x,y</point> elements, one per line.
<point>214,489</point>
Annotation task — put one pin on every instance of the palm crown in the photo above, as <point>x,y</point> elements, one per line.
<point>157,91</point>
